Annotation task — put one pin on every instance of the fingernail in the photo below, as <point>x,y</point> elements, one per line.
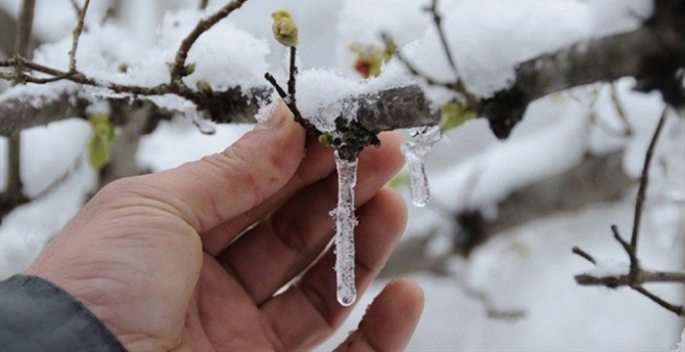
<point>275,118</point>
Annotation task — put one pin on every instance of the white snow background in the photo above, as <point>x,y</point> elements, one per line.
<point>529,267</point>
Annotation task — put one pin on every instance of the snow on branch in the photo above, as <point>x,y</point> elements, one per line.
<point>651,54</point>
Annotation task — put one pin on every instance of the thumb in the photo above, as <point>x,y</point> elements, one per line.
<point>389,321</point>
<point>221,186</point>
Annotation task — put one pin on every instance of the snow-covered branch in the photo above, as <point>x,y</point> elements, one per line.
<point>651,54</point>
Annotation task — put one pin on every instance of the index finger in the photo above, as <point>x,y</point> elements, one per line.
<point>222,186</point>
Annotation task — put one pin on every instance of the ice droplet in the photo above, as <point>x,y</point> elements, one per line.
<point>345,222</point>
<point>415,151</point>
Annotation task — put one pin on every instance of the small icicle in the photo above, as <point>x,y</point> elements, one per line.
<point>203,125</point>
<point>345,222</point>
<point>415,151</point>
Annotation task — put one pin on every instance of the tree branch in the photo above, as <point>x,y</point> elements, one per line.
<point>644,181</point>
<point>637,276</point>
<point>624,280</point>
<point>178,70</point>
<point>650,54</point>
<point>76,35</point>
<point>13,194</point>
<point>8,28</point>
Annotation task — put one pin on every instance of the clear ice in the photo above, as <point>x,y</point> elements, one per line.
<point>415,151</point>
<point>345,222</point>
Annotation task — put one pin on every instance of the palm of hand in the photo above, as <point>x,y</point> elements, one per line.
<point>134,256</point>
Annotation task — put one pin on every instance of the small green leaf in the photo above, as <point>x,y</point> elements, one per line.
<point>98,153</point>
<point>104,135</point>
<point>455,114</point>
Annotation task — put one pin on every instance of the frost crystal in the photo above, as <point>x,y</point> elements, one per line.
<point>345,222</point>
<point>415,151</point>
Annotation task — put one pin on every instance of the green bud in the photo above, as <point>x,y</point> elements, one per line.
<point>284,28</point>
<point>326,139</point>
<point>204,87</point>
<point>189,69</point>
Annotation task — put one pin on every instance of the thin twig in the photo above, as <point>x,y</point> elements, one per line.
<point>585,255</point>
<point>77,8</point>
<point>25,24</point>
<point>618,105</point>
<point>293,73</point>
<point>637,276</point>
<point>290,102</point>
<point>644,181</point>
<point>437,20</point>
<point>457,86</point>
<point>630,250</point>
<point>76,35</point>
<point>78,77</point>
<point>282,93</point>
<point>390,43</point>
<point>678,310</point>
<point>178,70</point>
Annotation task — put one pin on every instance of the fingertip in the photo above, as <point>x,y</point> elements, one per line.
<point>409,294</point>
<point>390,320</point>
<point>400,302</point>
<point>392,139</point>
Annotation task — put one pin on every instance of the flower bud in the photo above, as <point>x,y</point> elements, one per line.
<point>284,28</point>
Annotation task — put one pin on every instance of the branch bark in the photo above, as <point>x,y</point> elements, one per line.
<point>8,28</point>
<point>649,54</point>
<point>13,194</point>
<point>624,280</point>
<point>652,54</point>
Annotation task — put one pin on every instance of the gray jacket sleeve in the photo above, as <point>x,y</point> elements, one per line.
<point>36,315</point>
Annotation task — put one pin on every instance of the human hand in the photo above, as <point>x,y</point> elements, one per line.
<point>172,261</point>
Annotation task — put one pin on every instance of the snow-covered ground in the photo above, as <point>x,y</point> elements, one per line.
<point>529,267</point>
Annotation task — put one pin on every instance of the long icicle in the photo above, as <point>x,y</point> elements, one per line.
<point>345,222</point>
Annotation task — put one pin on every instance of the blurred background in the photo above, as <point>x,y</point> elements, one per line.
<point>492,249</point>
